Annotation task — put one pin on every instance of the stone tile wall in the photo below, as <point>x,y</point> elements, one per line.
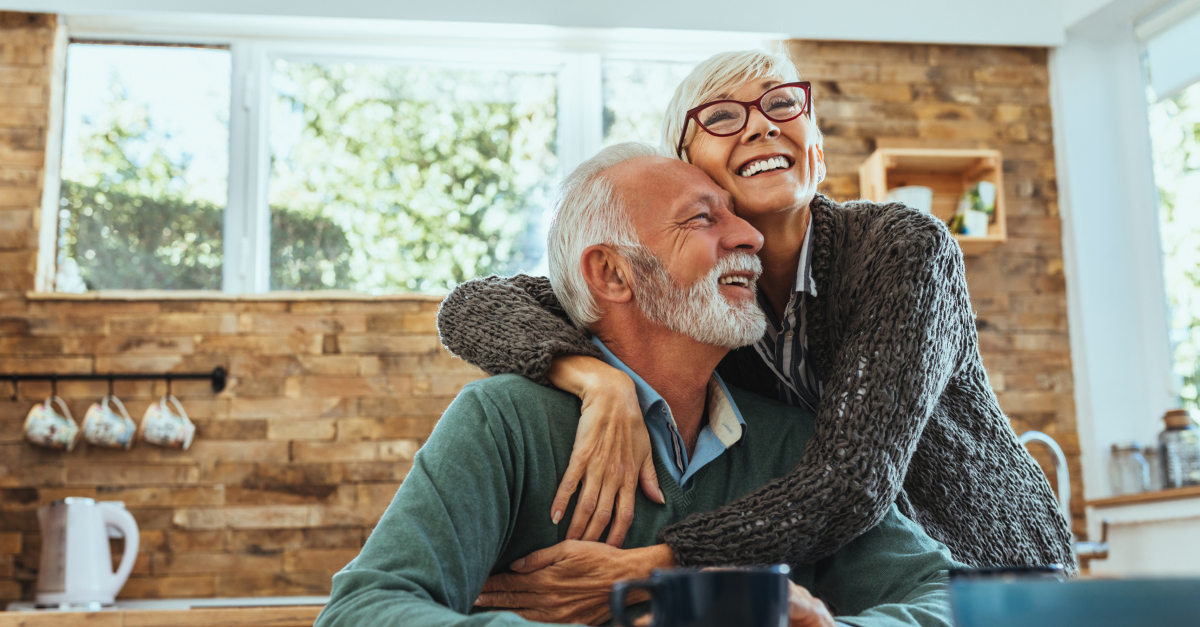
<point>329,398</point>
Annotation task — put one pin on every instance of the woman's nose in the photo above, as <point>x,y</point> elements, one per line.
<point>758,126</point>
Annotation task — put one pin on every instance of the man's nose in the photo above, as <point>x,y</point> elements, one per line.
<point>741,236</point>
<point>758,125</point>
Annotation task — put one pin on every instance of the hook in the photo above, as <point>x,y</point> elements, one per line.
<point>54,385</point>
<point>168,385</point>
<point>15,380</point>
<point>110,383</point>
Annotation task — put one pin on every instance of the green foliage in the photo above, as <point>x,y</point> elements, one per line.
<point>125,222</point>
<point>130,241</point>
<point>433,176</point>
<point>1175,134</point>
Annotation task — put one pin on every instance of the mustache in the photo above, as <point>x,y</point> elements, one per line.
<point>737,261</point>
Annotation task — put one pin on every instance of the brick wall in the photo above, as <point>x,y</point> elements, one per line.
<point>328,399</point>
<point>869,96</point>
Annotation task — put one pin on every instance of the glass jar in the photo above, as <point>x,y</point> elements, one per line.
<point>1179,447</point>
<point>1128,471</point>
<point>1150,452</point>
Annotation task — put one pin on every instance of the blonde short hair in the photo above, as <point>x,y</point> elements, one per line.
<point>717,75</point>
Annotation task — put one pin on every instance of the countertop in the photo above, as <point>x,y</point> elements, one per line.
<point>241,612</point>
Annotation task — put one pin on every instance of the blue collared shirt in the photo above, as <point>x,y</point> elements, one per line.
<point>724,428</point>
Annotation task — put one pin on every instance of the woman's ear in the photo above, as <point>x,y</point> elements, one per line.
<point>606,273</point>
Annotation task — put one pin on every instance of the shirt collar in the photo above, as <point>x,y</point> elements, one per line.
<point>804,279</point>
<point>724,417</point>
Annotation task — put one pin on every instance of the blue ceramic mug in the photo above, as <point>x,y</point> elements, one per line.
<point>753,597</point>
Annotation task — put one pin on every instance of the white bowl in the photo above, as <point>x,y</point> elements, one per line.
<point>918,197</point>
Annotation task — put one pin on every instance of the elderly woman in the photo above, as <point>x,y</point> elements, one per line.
<point>870,326</point>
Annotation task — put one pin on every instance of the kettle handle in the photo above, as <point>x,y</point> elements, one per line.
<point>123,520</point>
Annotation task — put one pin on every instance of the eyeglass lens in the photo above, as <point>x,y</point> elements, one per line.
<point>726,117</point>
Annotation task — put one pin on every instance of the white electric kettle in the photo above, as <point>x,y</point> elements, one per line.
<point>76,566</point>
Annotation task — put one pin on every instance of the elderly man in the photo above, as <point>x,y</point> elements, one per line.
<point>647,253</point>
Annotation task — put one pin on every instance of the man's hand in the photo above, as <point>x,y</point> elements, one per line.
<point>570,582</point>
<point>805,610</point>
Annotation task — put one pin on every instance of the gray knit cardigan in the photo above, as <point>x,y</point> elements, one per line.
<point>907,414</point>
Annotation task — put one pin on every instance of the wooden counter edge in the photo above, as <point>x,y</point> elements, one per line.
<point>274,616</point>
<point>1147,497</point>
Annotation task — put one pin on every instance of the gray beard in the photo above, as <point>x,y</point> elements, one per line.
<point>698,311</point>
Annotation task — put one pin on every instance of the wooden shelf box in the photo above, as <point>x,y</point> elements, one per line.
<point>949,172</point>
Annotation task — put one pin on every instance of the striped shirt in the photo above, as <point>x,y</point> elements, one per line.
<point>784,347</point>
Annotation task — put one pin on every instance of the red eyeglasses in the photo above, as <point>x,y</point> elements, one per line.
<point>728,117</point>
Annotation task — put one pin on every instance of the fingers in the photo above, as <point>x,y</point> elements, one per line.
<point>604,509</point>
<point>624,517</point>
<point>648,477</point>
<point>589,499</point>
<point>509,600</point>
<point>805,610</point>
<point>567,486</point>
<point>541,558</point>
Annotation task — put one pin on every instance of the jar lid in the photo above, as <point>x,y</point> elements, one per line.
<point>1179,419</point>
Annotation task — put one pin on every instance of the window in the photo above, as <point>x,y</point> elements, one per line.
<point>388,178</point>
<point>377,157</point>
<point>1173,70</point>
<point>145,164</point>
<point>636,94</point>
<point>1175,136</point>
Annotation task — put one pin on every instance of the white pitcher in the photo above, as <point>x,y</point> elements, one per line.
<point>76,565</point>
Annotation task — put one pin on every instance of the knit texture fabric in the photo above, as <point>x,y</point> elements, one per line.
<point>907,414</point>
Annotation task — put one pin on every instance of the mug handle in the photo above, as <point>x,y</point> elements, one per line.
<point>66,413</point>
<point>120,405</point>
<point>621,590</point>
<point>178,407</point>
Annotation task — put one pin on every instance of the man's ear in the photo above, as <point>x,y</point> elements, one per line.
<point>606,273</point>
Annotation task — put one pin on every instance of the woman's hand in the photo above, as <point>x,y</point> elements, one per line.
<point>611,453</point>
<point>805,610</point>
<point>570,582</point>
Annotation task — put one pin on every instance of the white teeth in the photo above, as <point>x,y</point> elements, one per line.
<point>772,163</point>
<point>733,280</point>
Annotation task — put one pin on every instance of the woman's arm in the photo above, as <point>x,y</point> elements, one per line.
<point>899,350</point>
<point>611,452</point>
<point>509,325</point>
<point>516,325</point>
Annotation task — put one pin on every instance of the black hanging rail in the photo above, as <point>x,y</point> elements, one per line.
<point>217,376</point>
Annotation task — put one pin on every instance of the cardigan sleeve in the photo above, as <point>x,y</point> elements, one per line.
<point>902,342</point>
<point>509,325</point>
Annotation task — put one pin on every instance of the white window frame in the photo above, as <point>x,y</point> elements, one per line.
<point>575,55</point>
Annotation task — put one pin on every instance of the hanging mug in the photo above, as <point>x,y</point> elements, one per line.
<point>46,427</point>
<point>104,427</point>
<point>163,425</point>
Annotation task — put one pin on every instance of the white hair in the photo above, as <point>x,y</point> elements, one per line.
<point>589,212</point>
<point>717,75</point>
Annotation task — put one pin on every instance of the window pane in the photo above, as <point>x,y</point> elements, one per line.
<point>144,168</point>
<point>393,179</point>
<point>636,94</point>
<point>1175,134</point>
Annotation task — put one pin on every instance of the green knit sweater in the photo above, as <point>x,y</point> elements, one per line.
<point>479,491</point>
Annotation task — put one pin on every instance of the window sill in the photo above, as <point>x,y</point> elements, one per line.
<point>210,295</point>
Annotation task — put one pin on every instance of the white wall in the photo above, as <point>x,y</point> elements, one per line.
<point>1015,22</point>
<point>1117,309</point>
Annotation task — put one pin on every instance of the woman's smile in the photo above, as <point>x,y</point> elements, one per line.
<point>769,166</point>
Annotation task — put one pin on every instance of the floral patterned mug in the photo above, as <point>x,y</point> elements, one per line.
<point>47,427</point>
<point>167,425</point>
<point>104,427</point>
